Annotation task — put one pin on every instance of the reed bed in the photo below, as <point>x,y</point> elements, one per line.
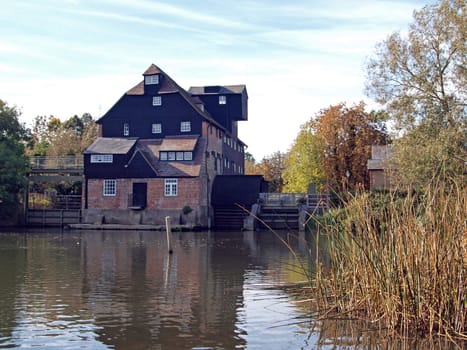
<point>398,261</point>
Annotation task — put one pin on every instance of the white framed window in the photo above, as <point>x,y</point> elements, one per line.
<point>157,101</point>
<point>101,158</point>
<point>171,187</point>
<point>151,79</point>
<point>156,128</point>
<point>109,188</point>
<point>187,155</point>
<point>126,129</point>
<point>222,100</point>
<point>171,155</point>
<point>185,126</point>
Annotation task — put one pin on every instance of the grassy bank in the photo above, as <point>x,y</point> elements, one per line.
<point>398,261</point>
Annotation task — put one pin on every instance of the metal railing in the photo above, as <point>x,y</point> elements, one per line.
<point>59,163</point>
<point>282,199</point>
<point>294,199</point>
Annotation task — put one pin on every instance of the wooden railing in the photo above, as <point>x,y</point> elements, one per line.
<point>56,163</point>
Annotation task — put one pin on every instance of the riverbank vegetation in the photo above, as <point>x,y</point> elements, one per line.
<point>397,260</point>
<point>48,137</point>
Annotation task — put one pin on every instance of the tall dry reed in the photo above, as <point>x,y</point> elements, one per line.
<point>399,261</point>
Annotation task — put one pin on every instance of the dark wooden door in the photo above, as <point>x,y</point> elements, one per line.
<point>140,194</point>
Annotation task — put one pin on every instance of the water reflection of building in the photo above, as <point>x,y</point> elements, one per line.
<point>139,294</point>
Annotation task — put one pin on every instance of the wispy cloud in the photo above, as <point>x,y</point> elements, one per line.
<point>184,13</point>
<point>295,57</point>
<point>130,19</point>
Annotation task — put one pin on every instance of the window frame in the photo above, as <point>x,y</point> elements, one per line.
<point>157,101</point>
<point>179,155</point>
<point>171,187</point>
<point>175,156</point>
<point>109,188</point>
<point>187,155</point>
<point>101,158</point>
<point>185,126</point>
<point>156,128</point>
<point>126,129</point>
<point>152,79</point>
<point>222,99</point>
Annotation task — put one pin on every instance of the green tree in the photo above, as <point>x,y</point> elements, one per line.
<point>54,138</point>
<point>421,80</point>
<point>345,136</point>
<point>302,161</point>
<point>422,157</point>
<point>13,162</point>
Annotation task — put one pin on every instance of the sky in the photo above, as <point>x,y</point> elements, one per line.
<point>296,57</point>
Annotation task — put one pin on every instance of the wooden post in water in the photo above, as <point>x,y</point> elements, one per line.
<point>169,234</point>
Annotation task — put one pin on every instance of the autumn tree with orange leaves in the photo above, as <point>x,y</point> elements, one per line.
<point>345,136</point>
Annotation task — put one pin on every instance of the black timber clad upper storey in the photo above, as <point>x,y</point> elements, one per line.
<point>235,108</point>
<point>120,167</point>
<point>136,108</point>
<point>139,113</point>
<point>125,162</point>
<point>138,167</point>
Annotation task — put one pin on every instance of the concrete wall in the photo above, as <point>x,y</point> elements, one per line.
<point>144,217</point>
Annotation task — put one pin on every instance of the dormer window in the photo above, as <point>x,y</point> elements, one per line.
<point>151,79</point>
<point>222,100</point>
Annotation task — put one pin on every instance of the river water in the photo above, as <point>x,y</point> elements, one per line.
<point>123,290</point>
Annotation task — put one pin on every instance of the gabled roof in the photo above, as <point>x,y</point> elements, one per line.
<point>168,85</point>
<point>111,145</point>
<point>153,69</point>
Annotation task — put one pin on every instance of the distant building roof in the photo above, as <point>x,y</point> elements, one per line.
<point>110,145</point>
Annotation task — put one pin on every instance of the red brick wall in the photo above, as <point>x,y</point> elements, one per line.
<point>97,200</point>
<point>188,194</point>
